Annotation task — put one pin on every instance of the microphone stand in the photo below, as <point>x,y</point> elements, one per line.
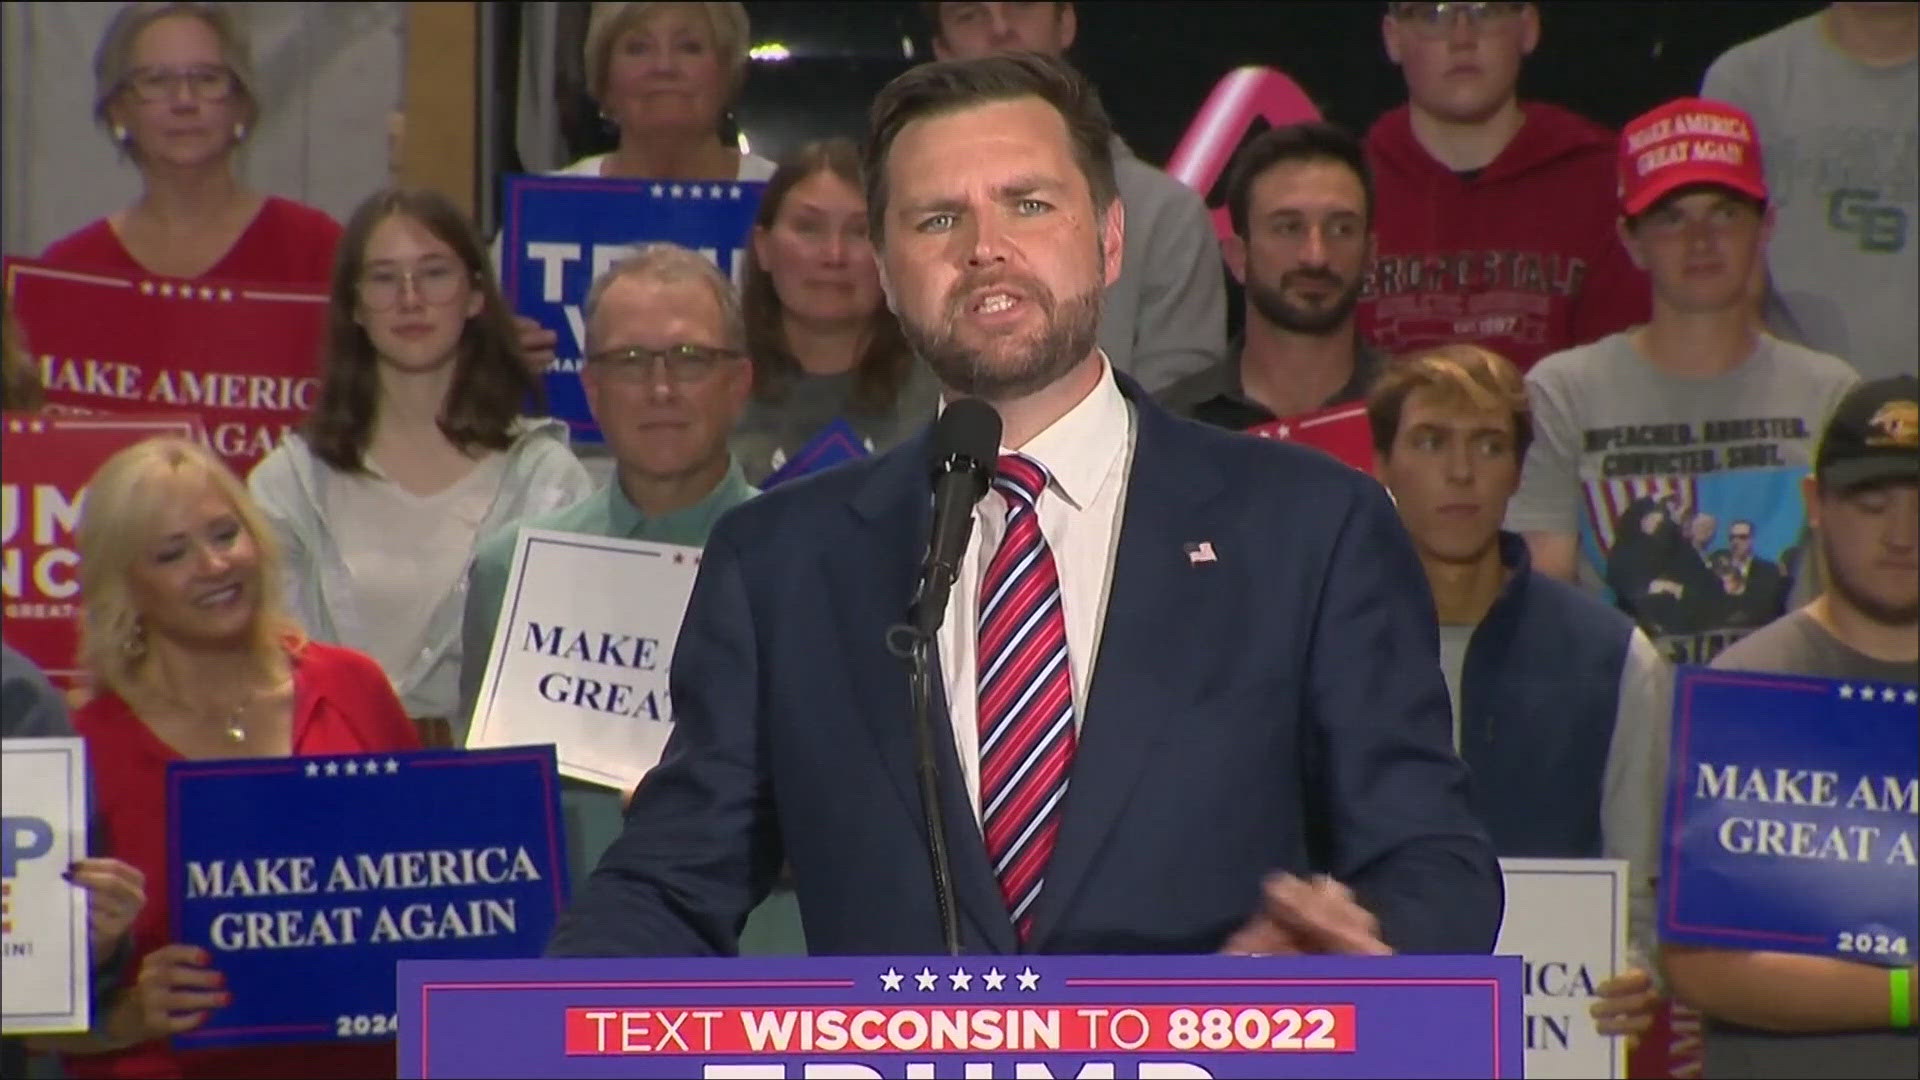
<point>911,645</point>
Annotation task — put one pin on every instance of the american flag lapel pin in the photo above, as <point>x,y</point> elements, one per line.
<point>1199,552</point>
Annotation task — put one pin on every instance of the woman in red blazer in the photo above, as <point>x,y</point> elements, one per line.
<point>183,635</point>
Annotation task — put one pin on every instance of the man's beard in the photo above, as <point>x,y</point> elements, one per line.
<point>1272,303</point>
<point>1071,330</point>
<point>1863,601</point>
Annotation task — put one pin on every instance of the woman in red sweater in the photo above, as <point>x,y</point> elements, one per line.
<point>182,632</point>
<point>174,87</point>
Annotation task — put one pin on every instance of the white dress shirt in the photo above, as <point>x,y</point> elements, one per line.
<point>1087,454</point>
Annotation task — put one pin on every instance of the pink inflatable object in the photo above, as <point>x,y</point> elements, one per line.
<point>1244,95</point>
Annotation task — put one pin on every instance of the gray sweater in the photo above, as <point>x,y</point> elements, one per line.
<point>1166,316</point>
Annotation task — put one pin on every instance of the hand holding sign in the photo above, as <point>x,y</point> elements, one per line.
<point>115,894</point>
<point>536,344</point>
<point>1627,1004</point>
<point>176,993</point>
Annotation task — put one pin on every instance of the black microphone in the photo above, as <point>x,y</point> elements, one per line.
<point>966,451</point>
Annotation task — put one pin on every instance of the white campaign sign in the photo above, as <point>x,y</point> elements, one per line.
<point>581,652</point>
<point>1567,919</point>
<point>44,970</point>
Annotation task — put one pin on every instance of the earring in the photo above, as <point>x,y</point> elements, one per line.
<point>135,643</point>
<point>239,131</point>
<point>120,134</point>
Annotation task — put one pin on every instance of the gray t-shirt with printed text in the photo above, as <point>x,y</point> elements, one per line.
<point>1684,493</point>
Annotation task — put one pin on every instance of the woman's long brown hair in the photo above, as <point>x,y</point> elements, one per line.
<point>883,365</point>
<point>491,384</point>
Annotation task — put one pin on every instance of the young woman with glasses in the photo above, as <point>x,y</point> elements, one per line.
<point>175,90</point>
<point>416,448</point>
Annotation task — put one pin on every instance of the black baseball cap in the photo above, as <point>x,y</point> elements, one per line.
<point>1874,436</point>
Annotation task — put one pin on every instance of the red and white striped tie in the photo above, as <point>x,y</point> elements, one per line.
<point>1026,696</point>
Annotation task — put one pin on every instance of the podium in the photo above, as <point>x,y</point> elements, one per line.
<point>968,1017</point>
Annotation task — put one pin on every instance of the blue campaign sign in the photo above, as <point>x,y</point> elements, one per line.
<point>1791,816</point>
<point>560,232</point>
<point>308,879</point>
<point>835,443</point>
<point>968,1016</point>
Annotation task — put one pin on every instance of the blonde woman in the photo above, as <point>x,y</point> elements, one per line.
<point>666,75</point>
<point>183,634</point>
<point>174,88</point>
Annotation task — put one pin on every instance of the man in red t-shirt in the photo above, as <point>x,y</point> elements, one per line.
<point>1495,219</point>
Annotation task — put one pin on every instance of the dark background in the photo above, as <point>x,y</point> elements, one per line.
<point>1156,60</point>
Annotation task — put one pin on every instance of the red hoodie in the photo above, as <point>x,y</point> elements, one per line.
<point>1523,258</point>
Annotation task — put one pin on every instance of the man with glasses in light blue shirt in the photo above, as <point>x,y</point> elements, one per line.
<point>666,376</point>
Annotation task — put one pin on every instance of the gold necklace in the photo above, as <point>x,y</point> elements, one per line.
<point>235,731</point>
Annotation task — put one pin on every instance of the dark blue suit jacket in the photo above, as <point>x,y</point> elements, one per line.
<point>1279,707</point>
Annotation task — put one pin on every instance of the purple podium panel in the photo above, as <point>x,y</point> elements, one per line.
<point>967,1018</point>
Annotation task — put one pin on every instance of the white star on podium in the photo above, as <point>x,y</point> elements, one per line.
<point>891,980</point>
<point>961,980</point>
<point>353,768</point>
<point>1888,695</point>
<point>312,769</point>
<point>333,768</point>
<point>1912,697</point>
<point>993,979</point>
<point>392,766</point>
<point>1028,979</point>
<point>1846,692</point>
<point>927,979</point>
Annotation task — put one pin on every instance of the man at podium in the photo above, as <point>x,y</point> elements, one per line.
<point>1186,693</point>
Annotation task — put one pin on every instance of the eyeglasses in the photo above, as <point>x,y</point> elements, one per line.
<point>207,82</point>
<point>1437,20</point>
<point>433,283</point>
<point>683,363</point>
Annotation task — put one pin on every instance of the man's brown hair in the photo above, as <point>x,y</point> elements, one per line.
<point>1460,373</point>
<point>950,86</point>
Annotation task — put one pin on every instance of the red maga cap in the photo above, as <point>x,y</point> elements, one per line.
<point>1688,141</point>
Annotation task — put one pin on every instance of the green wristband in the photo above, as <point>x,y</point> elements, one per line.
<point>1900,995</point>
